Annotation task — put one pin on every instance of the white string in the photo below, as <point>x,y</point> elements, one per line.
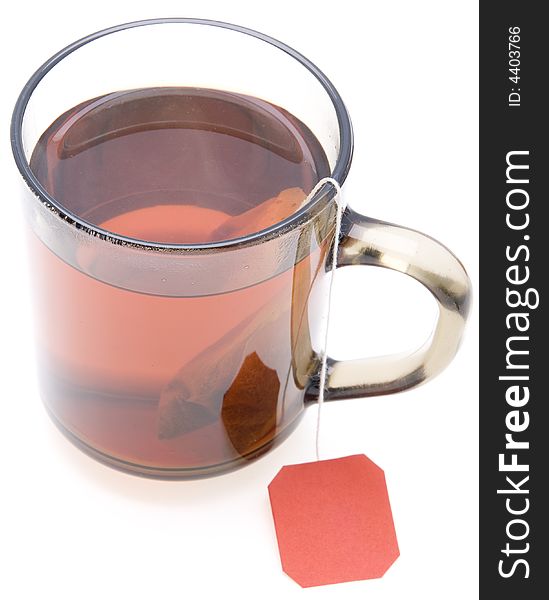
<point>324,350</point>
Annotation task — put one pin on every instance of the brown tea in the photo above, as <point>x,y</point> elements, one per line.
<point>165,382</point>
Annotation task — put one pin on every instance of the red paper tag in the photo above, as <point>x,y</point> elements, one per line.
<point>333,521</point>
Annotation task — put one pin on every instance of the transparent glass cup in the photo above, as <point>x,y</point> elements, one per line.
<point>184,360</point>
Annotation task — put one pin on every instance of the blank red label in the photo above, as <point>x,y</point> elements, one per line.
<point>333,521</point>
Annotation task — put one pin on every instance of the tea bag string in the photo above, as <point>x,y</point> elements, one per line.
<point>324,349</point>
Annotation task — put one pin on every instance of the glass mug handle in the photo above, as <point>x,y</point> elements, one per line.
<point>366,241</point>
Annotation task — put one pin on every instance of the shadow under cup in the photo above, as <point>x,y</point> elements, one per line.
<point>166,359</point>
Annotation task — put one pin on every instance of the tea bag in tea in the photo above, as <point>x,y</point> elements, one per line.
<point>264,215</point>
<point>238,377</point>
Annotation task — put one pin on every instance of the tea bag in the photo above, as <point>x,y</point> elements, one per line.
<point>237,370</point>
<point>264,215</point>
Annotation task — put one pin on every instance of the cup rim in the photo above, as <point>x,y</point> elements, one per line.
<point>339,173</point>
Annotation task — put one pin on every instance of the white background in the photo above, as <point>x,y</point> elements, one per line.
<point>72,528</point>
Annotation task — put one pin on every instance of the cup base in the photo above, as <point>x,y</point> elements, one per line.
<point>175,474</point>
